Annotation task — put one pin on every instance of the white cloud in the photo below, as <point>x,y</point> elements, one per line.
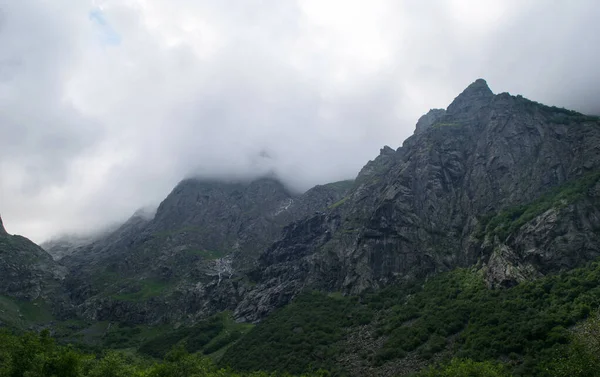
<point>106,104</point>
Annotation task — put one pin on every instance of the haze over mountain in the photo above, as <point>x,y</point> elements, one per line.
<point>106,105</point>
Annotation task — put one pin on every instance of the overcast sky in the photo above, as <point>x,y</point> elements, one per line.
<point>105,105</point>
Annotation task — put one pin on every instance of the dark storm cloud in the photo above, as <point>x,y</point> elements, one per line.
<point>105,106</point>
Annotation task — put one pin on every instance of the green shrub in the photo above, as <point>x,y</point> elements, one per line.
<point>467,368</point>
<point>512,219</point>
<point>303,336</point>
<point>33,355</point>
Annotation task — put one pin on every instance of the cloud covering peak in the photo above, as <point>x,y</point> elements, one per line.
<point>106,105</point>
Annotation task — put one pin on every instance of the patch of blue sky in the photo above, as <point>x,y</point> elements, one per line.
<point>108,35</point>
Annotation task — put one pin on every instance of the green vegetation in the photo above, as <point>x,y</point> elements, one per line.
<point>512,219</point>
<point>341,186</point>
<point>451,315</point>
<point>522,323</point>
<point>208,337</point>
<point>466,368</point>
<point>21,313</point>
<point>121,336</point>
<point>555,114</point>
<point>338,203</point>
<point>33,355</point>
<point>300,337</point>
<point>581,358</point>
<point>10,312</point>
<point>142,290</point>
<point>542,328</point>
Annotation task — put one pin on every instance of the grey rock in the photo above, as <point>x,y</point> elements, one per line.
<point>427,120</point>
<point>203,238</point>
<point>252,246</point>
<point>416,212</point>
<point>27,271</point>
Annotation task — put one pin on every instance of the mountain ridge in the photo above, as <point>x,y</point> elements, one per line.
<point>410,213</point>
<point>492,196</point>
<point>418,209</point>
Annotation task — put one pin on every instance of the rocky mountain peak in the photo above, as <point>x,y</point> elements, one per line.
<point>478,87</point>
<point>474,97</point>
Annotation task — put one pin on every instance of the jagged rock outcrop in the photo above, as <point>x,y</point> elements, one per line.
<point>416,211</point>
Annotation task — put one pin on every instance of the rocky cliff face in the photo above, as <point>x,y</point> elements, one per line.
<point>27,271</point>
<point>190,258</point>
<point>421,209</point>
<point>556,232</point>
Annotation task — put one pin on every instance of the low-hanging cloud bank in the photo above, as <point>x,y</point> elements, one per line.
<point>105,105</point>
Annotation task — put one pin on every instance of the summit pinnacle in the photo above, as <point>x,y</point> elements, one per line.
<point>475,96</point>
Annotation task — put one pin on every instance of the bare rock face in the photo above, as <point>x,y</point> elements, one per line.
<point>420,210</point>
<point>559,238</point>
<point>505,268</point>
<point>193,252</point>
<point>429,119</point>
<point>474,98</point>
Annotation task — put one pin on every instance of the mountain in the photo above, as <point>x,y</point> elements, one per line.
<point>478,238</point>
<point>31,282</point>
<point>189,258</point>
<point>496,181</point>
<point>62,246</point>
<point>28,272</point>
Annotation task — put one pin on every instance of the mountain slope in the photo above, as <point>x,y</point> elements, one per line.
<point>190,258</point>
<point>403,328</point>
<point>30,284</point>
<point>418,210</point>
<point>27,271</point>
